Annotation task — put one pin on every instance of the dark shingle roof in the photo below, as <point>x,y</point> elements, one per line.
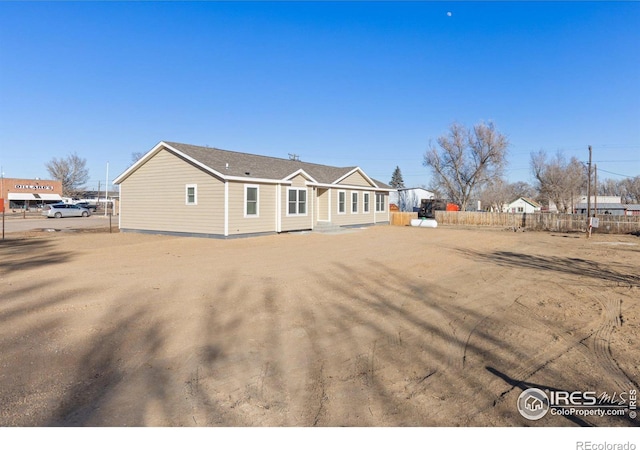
<point>238,164</point>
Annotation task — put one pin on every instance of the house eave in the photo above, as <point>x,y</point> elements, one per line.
<point>349,187</point>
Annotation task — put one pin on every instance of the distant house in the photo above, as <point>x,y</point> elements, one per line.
<point>606,205</point>
<point>406,199</point>
<point>615,209</point>
<point>523,205</point>
<point>200,191</point>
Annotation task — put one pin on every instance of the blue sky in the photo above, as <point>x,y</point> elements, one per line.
<point>339,83</point>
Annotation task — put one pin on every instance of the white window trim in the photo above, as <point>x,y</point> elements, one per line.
<point>338,202</point>
<point>356,203</point>
<point>306,202</point>
<point>384,208</point>
<point>366,205</point>
<point>244,206</point>
<point>195,194</point>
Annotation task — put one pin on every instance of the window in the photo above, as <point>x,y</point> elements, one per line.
<point>354,202</point>
<point>191,192</point>
<point>342,199</point>
<point>251,198</point>
<point>297,202</point>
<point>520,209</point>
<point>365,202</point>
<point>379,202</point>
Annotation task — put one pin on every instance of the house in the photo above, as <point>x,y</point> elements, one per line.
<point>609,205</point>
<point>406,199</point>
<point>614,209</point>
<point>523,205</point>
<point>200,191</point>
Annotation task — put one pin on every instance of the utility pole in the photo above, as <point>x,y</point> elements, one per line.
<point>589,195</point>
<point>106,192</point>
<point>2,198</point>
<point>595,189</point>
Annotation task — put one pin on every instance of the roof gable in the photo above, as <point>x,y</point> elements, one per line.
<point>355,177</point>
<point>527,200</point>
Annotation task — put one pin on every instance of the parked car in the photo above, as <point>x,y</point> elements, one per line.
<point>87,205</point>
<point>59,210</point>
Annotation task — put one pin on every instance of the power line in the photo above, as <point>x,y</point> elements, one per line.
<point>619,174</point>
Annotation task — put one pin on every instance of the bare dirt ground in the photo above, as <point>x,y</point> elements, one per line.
<point>388,326</point>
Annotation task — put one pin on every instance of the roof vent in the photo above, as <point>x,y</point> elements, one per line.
<point>227,166</point>
<point>247,173</point>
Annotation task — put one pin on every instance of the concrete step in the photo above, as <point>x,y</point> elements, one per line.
<point>327,227</point>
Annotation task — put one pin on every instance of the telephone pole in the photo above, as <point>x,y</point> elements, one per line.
<point>595,189</point>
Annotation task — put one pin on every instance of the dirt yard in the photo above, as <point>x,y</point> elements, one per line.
<point>387,326</point>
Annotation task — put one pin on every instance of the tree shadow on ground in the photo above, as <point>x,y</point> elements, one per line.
<point>625,274</point>
<point>524,385</point>
<point>24,253</point>
<point>367,338</point>
<point>127,375</point>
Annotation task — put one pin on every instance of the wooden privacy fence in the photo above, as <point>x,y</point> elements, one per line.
<point>538,222</point>
<point>402,218</point>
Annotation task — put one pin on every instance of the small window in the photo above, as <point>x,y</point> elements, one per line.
<point>365,202</point>
<point>380,203</point>
<point>520,209</point>
<point>251,201</point>
<point>342,199</point>
<point>191,194</point>
<point>354,202</point>
<point>297,202</point>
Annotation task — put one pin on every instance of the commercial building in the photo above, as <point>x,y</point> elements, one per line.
<point>26,193</point>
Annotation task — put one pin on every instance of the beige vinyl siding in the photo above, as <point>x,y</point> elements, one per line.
<point>322,202</point>
<point>265,222</point>
<point>355,179</point>
<point>154,198</point>
<point>350,218</point>
<point>297,222</point>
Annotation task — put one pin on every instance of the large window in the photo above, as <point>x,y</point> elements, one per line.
<point>251,200</point>
<point>354,202</point>
<point>380,203</point>
<point>191,194</point>
<point>342,200</point>
<point>297,202</point>
<point>365,202</point>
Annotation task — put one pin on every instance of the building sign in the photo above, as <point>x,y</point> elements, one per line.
<point>33,187</point>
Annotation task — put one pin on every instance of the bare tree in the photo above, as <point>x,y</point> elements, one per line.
<point>71,171</point>
<point>559,181</point>
<point>466,160</point>
<point>497,194</point>
<point>631,190</point>
<point>522,189</point>
<point>610,187</point>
